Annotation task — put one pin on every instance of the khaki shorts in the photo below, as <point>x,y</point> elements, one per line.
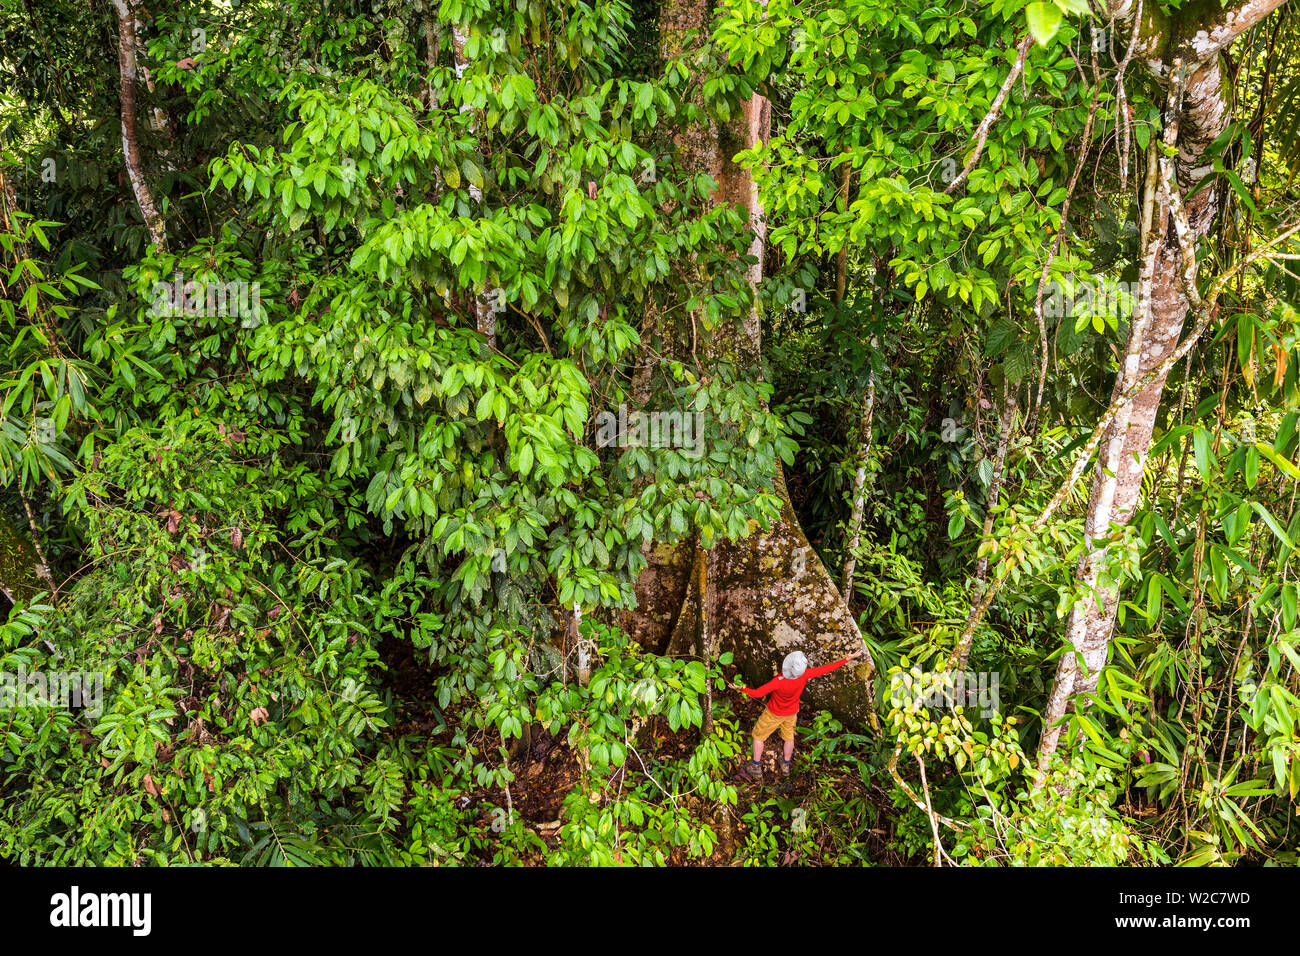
<point>770,722</point>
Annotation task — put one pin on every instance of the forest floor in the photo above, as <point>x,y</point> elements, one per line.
<point>546,770</point>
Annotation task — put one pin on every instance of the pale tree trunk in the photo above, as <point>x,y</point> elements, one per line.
<point>579,646</point>
<point>1183,56</point>
<point>859,497</point>
<point>126,61</point>
<point>768,594</point>
<point>159,122</point>
<point>42,561</point>
<point>859,490</point>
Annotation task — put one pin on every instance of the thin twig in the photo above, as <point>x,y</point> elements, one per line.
<point>995,110</point>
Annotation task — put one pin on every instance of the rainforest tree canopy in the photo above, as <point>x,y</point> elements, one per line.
<point>417,418</point>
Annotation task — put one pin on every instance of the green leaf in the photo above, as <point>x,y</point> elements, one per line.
<point>1153,597</point>
<point>1044,20</point>
<point>1201,440</point>
<point>1219,568</point>
<point>1283,464</point>
<point>1273,524</point>
<point>1245,340</point>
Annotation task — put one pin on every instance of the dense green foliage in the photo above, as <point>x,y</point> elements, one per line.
<point>325,548</point>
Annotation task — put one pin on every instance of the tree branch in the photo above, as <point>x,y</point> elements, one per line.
<point>995,110</point>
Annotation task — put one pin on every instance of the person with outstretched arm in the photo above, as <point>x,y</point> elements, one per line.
<point>782,710</point>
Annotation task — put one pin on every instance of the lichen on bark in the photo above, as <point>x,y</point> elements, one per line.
<point>767,594</point>
<point>1182,54</point>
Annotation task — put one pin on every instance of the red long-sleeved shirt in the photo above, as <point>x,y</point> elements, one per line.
<point>785,692</point>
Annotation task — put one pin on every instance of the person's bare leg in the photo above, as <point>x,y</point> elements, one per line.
<point>758,750</point>
<point>789,750</point>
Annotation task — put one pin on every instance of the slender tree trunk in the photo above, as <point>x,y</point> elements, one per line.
<point>1006,427</point>
<point>126,61</point>
<point>842,257</point>
<point>579,645</point>
<point>42,562</point>
<point>1184,57</point>
<point>706,636</point>
<point>859,499</point>
<point>159,121</point>
<point>859,491</point>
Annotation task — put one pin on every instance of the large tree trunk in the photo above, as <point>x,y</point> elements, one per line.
<point>768,594</point>
<point>1183,56</point>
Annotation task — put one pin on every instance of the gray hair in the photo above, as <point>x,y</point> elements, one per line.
<point>794,665</point>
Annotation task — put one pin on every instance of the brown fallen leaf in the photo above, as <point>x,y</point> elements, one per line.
<point>150,787</point>
<point>259,715</point>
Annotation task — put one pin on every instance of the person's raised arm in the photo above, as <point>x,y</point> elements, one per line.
<point>827,668</point>
<point>759,691</point>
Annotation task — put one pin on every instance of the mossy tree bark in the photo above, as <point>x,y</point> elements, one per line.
<point>768,594</point>
<point>20,565</point>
